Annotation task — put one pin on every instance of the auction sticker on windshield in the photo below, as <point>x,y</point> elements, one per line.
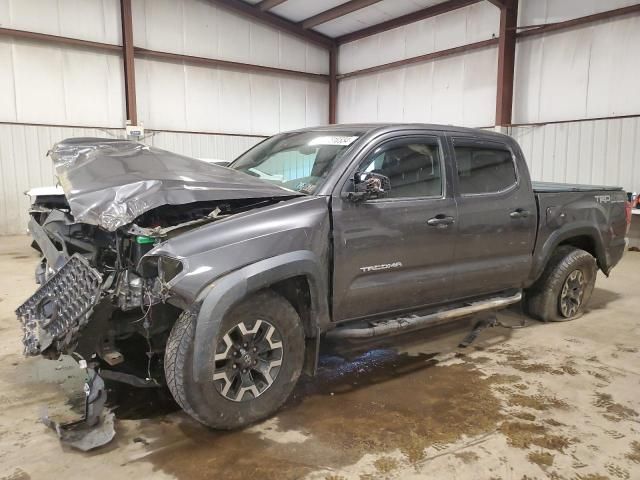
<point>333,140</point>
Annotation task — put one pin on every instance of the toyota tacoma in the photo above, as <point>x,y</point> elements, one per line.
<point>221,282</point>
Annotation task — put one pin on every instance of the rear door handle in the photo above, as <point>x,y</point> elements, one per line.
<point>440,221</point>
<point>519,213</point>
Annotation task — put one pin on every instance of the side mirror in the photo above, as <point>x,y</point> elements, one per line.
<point>369,185</point>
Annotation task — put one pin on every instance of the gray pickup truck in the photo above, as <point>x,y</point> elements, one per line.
<point>221,282</point>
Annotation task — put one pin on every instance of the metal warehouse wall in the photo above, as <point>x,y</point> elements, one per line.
<point>597,152</point>
<point>586,72</point>
<point>24,164</point>
<point>43,85</point>
<point>178,96</point>
<point>459,89</point>
<point>47,84</point>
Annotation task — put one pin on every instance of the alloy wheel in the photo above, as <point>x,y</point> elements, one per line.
<point>572,293</point>
<point>247,360</point>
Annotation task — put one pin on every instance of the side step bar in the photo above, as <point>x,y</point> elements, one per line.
<point>407,324</point>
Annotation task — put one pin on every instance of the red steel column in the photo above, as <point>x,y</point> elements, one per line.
<point>128,61</point>
<point>333,83</point>
<point>506,62</point>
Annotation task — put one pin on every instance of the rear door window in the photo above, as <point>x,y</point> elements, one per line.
<point>484,169</point>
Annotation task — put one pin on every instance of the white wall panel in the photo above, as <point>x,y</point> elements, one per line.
<point>418,89</point>
<point>592,152</point>
<point>203,102</point>
<point>174,96</point>
<point>460,90</point>
<point>537,12</point>
<point>391,98</point>
<point>7,83</point>
<point>235,103</point>
<point>24,164</point>
<point>614,68</point>
<point>298,10</point>
<point>265,103</point>
<point>317,104</point>
<point>479,87</point>
<point>372,15</point>
<point>95,20</point>
<point>459,27</point>
<point>585,72</point>
<point>448,94</point>
<point>199,28</point>
<point>160,87</point>
<point>212,147</point>
<point>43,83</point>
<point>293,93</point>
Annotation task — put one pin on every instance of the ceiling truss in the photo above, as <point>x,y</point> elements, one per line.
<point>303,29</point>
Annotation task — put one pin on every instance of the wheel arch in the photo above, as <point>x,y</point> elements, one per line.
<point>587,238</point>
<point>286,274</point>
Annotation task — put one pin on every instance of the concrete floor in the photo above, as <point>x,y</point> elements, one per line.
<point>557,401</point>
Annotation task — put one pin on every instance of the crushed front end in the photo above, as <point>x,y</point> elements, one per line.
<point>101,299</point>
<point>95,304</point>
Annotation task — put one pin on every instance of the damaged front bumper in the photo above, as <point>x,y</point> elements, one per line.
<point>51,321</point>
<point>54,315</point>
<point>96,428</point>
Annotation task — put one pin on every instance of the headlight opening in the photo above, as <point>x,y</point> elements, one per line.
<point>169,268</point>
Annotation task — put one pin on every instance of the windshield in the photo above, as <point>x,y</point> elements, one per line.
<point>299,161</point>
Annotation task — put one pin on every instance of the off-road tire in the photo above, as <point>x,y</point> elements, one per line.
<point>543,298</point>
<point>202,400</point>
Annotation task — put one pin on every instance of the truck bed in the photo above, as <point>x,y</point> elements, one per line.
<point>552,187</point>
<point>567,210</point>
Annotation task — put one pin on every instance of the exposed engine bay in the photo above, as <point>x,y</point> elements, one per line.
<point>106,274</point>
<point>102,297</point>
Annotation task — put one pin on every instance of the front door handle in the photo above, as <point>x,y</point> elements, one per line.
<point>441,221</point>
<point>519,213</point>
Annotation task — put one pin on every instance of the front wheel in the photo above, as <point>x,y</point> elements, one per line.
<point>254,365</point>
<point>565,286</point>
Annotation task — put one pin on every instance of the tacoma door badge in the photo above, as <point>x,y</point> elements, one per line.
<point>384,266</point>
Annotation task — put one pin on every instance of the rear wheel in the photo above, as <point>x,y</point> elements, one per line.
<point>565,286</point>
<point>254,365</point>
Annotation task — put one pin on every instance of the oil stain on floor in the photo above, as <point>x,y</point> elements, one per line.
<point>379,402</point>
<point>402,411</point>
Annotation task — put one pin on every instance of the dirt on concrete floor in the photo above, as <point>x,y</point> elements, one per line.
<point>557,401</point>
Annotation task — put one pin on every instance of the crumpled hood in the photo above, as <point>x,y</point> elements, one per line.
<point>110,182</point>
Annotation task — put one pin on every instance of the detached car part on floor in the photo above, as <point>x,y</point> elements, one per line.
<point>220,282</point>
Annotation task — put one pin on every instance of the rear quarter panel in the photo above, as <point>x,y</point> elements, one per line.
<point>598,215</point>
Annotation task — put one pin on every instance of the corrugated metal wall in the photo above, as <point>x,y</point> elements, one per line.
<point>95,20</point>
<point>453,29</point>
<point>198,145</point>
<point>586,72</point>
<point>567,75</point>
<point>596,152</point>
<point>24,164</point>
<point>459,89</point>
<point>175,96</point>
<point>178,96</point>
<point>199,28</point>
<point>50,84</point>
<point>62,85</point>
